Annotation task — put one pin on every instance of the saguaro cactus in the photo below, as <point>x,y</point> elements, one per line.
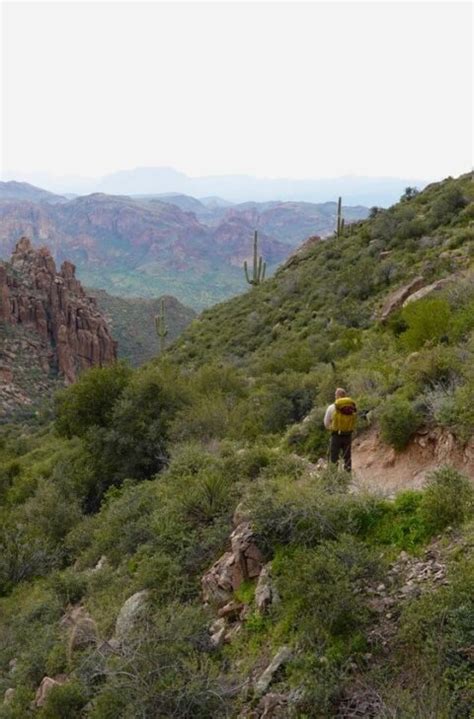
<point>259,266</point>
<point>340,219</point>
<point>160,325</point>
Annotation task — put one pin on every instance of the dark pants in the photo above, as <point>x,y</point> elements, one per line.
<point>341,444</point>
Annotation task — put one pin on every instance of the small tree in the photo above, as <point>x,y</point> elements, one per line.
<point>409,194</point>
<point>89,402</point>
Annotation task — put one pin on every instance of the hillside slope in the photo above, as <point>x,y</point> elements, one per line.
<point>175,546</point>
<point>323,298</point>
<point>132,323</point>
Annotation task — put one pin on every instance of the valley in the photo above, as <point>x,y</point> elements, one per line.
<point>152,246</point>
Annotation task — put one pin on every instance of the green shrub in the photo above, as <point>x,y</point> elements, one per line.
<point>135,443</point>
<point>205,419</point>
<point>122,524</point>
<point>399,524</point>
<point>165,672</point>
<point>317,589</point>
<point>427,320</point>
<point>304,513</point>
<point>439,365</point>
<point>209,496</point>
<point>449,202</point>
<point>398,421</point>
<point>64,702</point>
<point>448,499</point>
<point>461,411</point>
<point>310,438</point>
<point>69,585</point>
<point>90,401</point>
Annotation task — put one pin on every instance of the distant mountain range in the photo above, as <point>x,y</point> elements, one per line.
<point>356,190</point>
<point>153,245</point>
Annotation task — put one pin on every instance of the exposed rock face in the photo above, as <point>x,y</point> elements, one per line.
<point>244,561</point>
<point>47,315</point>
<point>396,299</point>
<point>430,289</point>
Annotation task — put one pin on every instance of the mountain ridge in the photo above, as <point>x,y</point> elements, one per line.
<point>238,188</point>
<point>151,247</point>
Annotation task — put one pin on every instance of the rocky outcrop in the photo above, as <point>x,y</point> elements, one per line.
<point>55,304</point>
<point>9,695</point>
<point>265,592</point>
<point>46,315</point>
<point>48,683</point>
<point>396,299</point>
<point>130,613</point>
<point>265,679</point>
<point>430,289</point>
<point>81,628</point>
<point>244,561</point>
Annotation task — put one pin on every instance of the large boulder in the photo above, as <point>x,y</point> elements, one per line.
<point>429,289</point>
<point>9,695</point>
<point>81,628</point>
<point>283,655</point>
<point>265,592</point>
<point>396,299</point>
<point>130,614</point>
<point>48,683</point>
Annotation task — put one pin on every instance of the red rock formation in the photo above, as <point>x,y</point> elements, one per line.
<point>33,294</point>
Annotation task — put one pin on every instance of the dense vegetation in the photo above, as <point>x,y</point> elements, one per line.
<point>132,322</point>
<point>145,468</point>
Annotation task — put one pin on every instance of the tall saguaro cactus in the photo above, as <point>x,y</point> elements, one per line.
<point>340,219</point>
<point>259,266</point>
<point>160,326</point>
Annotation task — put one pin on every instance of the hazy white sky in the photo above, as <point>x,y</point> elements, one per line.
<point>276,89</point>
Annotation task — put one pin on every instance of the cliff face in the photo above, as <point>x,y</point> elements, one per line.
<point>48,325</point>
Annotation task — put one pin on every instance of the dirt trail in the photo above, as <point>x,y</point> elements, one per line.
<point>377,466</point>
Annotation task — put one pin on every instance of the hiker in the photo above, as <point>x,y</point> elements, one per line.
<point>340,419</point>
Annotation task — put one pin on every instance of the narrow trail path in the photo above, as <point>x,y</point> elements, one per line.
<point>378,467</point>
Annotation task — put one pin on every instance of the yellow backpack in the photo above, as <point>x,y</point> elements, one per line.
<point>345,417</point>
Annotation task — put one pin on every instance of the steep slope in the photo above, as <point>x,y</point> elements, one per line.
<point>50,330</point>
<point>293,222</point>
<point>132,323</point>
<point>320,301</point>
